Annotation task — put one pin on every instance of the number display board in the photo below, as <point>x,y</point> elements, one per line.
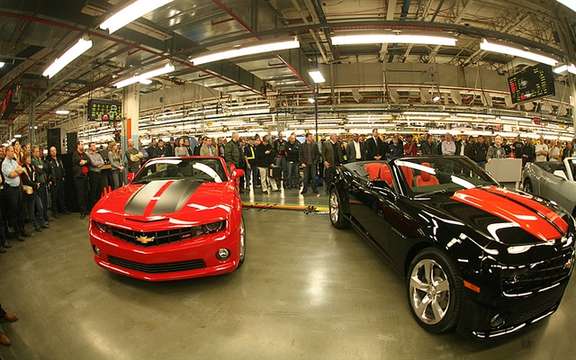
<point>104,110</point>
<point>532,83</point>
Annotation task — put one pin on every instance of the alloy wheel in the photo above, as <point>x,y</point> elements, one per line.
<point>429,291</point>
<point>334,207</point>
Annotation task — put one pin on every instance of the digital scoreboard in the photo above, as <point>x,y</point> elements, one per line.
<point>532,83</point>
<point>104,110</point>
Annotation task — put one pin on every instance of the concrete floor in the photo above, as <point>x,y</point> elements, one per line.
<point>306,291</point>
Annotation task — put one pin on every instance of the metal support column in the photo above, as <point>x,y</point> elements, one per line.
<point>573,100</point>
<point>31,131</point>
<point>316,112</point>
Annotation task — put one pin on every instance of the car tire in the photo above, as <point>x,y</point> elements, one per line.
<point>242,256</point>
<point>527,186</point>
<point>434,303</point>
<point>335,210</point>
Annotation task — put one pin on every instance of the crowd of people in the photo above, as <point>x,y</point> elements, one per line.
<point>33,183</point>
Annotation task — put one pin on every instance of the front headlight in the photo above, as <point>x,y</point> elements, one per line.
<point>214,227</point>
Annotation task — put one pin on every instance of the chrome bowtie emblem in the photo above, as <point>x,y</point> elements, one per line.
<point>143,239</point>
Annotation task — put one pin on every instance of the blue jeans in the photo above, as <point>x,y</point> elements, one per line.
<point>293,176</point>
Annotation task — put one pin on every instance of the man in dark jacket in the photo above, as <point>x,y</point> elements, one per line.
<point>375,147</point>
<point>279,147</point>
<point>309,157</point>
<point>293,159</point>
<point>80,162</point>
<point>480,151</point>
<point>331,153</point>
<point>55,171</point>
<point>355,150</point>
<point>429,146</point>
<point>233,154</point>
<point>395,148</point>
<point>264,157</point>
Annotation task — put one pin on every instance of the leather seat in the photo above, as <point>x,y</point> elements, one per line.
<point>379,172</point>
<point>426,179</point>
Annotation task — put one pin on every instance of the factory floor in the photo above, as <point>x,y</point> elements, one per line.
<point>306,291</point>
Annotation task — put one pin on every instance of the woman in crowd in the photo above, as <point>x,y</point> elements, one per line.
<point>42,192</point>
<point>181,148</point>
<point>555,153</point>
<point>30,186</point>
<point>117,164</point>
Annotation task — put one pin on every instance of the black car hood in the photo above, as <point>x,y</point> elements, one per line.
<point>500,215</point>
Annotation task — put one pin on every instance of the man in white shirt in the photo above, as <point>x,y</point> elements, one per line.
<point>448,145</point>
<point>355,149</point>
<point>541,150</point>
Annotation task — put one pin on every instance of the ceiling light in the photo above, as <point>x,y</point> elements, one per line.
<point>436,98</point>
<point>62,112</point>
<point>565,68</point>
<point>70,55</point>
<point>316,76</point>
<point>145,77</point>
<point>244,51</point>
<point>130,13</point>
<point>17,136</point>
<point>513,51</point>
<point>2,63</point>
<point>393,38</point>
<point>311,100</point>
<point>568,3</point>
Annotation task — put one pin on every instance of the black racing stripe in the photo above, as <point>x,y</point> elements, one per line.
<point>174,198</point>
<point>529,208</point>
<point>140,199</point>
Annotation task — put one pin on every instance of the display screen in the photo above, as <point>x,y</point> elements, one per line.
<point>104,110</point>
<point>532,83</point>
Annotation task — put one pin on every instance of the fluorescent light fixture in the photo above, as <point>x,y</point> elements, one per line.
<point>70,55</point>
<point>436,98</point>
<point>571,4</point>
<point>130,13</point>
<point>62,112</point>
<point>2,63</point>
<point>393,38</point>
<point>244,51</point>
<point>514,51</point>
<point>145,77</point>
<point>565,68</point>
<point>316,76</point>
<point>311,100</point>
<point>17,136</point>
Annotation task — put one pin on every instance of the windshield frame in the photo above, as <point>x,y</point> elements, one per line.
<point>407,190</point>
<point>150,162</point>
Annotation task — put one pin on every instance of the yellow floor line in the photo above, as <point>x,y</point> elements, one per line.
<point>273,206</point>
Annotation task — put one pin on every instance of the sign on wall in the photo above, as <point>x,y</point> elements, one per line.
<point>104,110</point>
<point>532,83</point>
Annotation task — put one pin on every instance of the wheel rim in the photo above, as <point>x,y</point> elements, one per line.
<point>242,241</point>
<point>429,291</point>
<point>334,207</point>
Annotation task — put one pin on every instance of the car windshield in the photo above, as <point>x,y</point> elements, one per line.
<point>203,170</point>
<point>428,175</point>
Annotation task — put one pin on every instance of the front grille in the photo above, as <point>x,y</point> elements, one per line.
<point>156,238</point>
<point>536,277</point>
<point>158,268</point>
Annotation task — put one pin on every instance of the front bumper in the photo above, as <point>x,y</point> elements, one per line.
<point>517,313</point>
<point>186,259</point>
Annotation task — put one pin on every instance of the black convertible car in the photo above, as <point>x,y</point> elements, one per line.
<point>476,257</point>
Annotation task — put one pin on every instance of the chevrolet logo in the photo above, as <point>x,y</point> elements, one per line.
<point>143,239</point>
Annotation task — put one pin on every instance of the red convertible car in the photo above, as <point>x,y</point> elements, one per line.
<point>178,218</point>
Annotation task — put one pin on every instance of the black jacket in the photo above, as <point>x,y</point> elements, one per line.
<point>332,153</point>
<point>233,153</point>
<point>375,148</point>
<point>309,154</point>
<point>54,169</point>
<point>76,167</point>
<point>351,151</point>
<point>480,152</point>
<point>293,152</point>
<point>262,159</point>
<point>395,151</point>
<point>429,149</point>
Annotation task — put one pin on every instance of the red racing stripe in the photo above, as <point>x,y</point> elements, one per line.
<point>528,201</point>
<point>154,200</point>
<point>509,210</point>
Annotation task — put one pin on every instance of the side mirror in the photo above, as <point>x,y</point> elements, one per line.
<point>560,174</point>
<point>131,177</point>
<point>237,173</point>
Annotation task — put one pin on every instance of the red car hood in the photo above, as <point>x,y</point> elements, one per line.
<point>181,202</point>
